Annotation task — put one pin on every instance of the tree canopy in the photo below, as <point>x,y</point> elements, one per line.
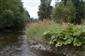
<point>72,10</point>
<point>44,9</point>
<point>12,15</point>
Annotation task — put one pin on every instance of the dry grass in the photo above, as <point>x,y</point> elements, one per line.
<point>36,29</point>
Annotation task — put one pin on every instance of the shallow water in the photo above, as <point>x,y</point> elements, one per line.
<point>14,44</point>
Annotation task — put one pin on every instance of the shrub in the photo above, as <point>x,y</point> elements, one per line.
<point>73,35</point>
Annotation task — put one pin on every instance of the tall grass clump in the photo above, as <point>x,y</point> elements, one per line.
<point>36,29</point>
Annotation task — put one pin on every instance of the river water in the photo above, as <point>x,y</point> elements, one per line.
<point>14,44</point>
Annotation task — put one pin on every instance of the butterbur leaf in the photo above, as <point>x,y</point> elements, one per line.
<point>68,41</point>
<point>59,43</point>
<point>45,33</point>
<point>54,40</point>
<point>76,42</point>
<point>71,35</point>
<point>66,37</point>
<point>53,37</point>
<point>51,42</point>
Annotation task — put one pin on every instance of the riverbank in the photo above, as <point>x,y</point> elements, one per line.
<point>36,31</point>
<point>45,48</point>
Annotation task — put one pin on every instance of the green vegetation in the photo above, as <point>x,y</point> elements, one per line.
<point>55,25</point>
<point>57,34</point>
<point>64,13</point>
<point>73,35</point>
<point>80,7</point>
<point>12,15</point>
<point>44,9</point>
<point>37,29</point>
<point>71,11</point>
<point>60,33</point>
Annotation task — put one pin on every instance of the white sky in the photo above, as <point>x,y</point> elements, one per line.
<point>32,6</point>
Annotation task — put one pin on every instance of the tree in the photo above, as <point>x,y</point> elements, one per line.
<point>64,12</point>
<point>44,9</point>
<point>64,1</point>
<point>28,16</point>
<point>12,15</point>
<point>80,7</point>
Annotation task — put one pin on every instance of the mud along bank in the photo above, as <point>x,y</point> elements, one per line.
<point>44,48</point>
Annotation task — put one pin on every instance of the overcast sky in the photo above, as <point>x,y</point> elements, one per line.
<point>32,6</point>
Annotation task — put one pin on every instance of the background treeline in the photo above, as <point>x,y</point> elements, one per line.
<point>71,11</point>
<point>12,15</point>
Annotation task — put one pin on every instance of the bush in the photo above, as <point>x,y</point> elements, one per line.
<point>73,35</point>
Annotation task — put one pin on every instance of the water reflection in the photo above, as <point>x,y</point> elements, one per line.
<point>9,44</point>
<point>16,44</point>
<point>8,38</point>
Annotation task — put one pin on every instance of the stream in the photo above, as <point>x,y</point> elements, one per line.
<point>14,44</point>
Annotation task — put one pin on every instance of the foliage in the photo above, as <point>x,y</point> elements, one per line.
<point>73,35</point>
<point>65,13</point>
<point>69,11</point>
<point>79,9</point>
<point>12,15</point>
<point>44,9</point>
